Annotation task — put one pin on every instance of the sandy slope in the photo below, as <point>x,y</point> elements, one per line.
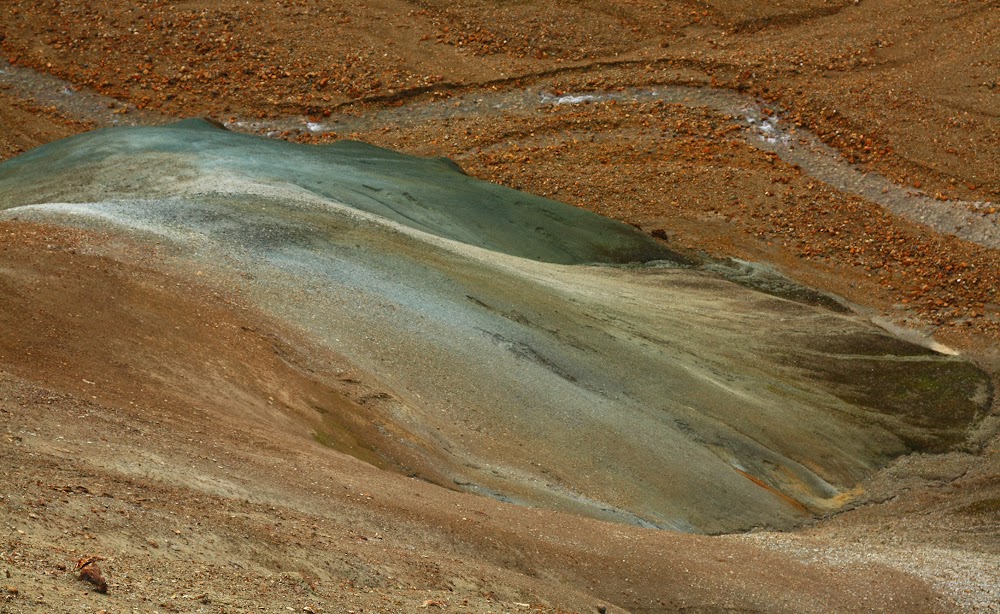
<point>173,461</point>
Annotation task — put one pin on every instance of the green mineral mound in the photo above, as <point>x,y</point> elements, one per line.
<point>432,195</point>
<point>514,358</point>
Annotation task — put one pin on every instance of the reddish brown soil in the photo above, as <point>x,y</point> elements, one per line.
<point>910,87</point>
<point>26,125</point>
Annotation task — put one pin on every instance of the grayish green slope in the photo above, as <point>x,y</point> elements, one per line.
<point>432,195</point>
<point>657,394</point>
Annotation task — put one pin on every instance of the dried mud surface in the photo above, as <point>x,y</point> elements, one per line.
<point>209,493</point>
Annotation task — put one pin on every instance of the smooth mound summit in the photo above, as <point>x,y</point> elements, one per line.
<point>510,358</point>
<point>431,195</point>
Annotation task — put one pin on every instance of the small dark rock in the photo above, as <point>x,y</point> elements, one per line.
<point>90,572</point>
